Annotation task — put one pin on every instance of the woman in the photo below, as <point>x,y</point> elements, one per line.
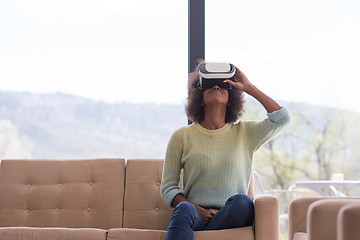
<point>216,155</point>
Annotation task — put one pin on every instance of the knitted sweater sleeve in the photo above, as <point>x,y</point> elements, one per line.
<point>172,166</point>
<point>260,132</point>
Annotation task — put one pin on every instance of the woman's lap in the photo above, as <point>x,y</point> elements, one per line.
<point>237,212</point>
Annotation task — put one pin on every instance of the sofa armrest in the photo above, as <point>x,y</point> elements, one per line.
<point>322,217</point>
<point>298,214</point>
<point>266,217</point>
<point>348,222</point>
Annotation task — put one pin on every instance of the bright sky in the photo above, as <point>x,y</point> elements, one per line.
<point>136,51</point>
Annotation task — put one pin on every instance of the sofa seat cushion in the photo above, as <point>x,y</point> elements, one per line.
<point>30,233</point>
<point>245,233</point>
<point>132,233</point>
<point>300,236</point>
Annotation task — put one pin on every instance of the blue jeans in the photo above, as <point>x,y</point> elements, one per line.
<point>237,212</point>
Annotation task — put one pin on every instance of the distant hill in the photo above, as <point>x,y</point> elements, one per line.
<point>65,126</point>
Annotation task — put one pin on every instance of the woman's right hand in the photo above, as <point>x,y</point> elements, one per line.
<point>206,214</point>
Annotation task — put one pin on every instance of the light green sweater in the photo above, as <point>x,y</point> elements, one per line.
<point>217,163</point>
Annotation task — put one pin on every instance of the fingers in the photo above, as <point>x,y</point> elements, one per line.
<point>229,81</point>
<point>239,74</point>
<point>237,84</point>
<point>210,213</point>
<point>213,212</point>
<point>209,217</point>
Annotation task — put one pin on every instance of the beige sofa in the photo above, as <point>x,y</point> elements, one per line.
<point>320,218</point>
<point>99,199</point>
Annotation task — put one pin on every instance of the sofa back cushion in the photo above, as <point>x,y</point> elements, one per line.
<point>62,193</point>
<point>143,206</point>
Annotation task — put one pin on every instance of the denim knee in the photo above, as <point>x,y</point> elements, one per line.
<point>185,207</point>
<point>243,202</point>
<point>242,199</point>
<point>181,222</point>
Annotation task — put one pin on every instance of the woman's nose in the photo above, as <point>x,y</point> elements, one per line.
<point>216,87</point>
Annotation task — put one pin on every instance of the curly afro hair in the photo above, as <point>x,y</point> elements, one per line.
<point>194,108</point>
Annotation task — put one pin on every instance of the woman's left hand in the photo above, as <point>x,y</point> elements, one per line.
<point>240,82</point>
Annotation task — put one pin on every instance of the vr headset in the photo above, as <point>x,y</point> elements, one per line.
<point>212,74</point>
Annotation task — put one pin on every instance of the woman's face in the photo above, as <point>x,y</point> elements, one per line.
<point>215,95</point>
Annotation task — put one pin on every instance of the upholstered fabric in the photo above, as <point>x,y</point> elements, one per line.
<point>322,218</point>
<point>298,214</point>
<point>348,221</point>
<point>245,233</point>
<point>266,218</point>
<point>55,193</point>
<point>143,206</point>
<point>301,236</point>
<point>25,233</point>
<point>130,233</point>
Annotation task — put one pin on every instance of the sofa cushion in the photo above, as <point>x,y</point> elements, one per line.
<point>245,233</point>
<point>322,217</point>
<point>26,233</point>
<point>300,236</point>
<point>143,206</point>
<point>62,193</point>
<point>135,234</point>
<point>298,214</point>
<point>348,220</point>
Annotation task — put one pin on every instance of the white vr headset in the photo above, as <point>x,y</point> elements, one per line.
<point>212,74</point>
